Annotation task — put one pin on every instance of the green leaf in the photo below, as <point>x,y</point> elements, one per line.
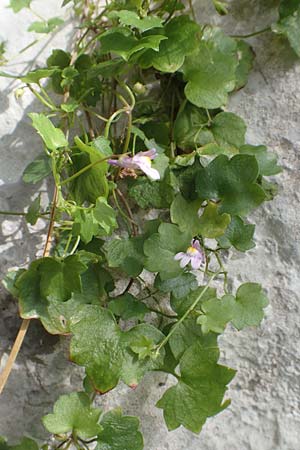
<point>212,224</point>
<point>267,161</point>
<point>119,432</point>
<point>289,23</point>
<point>189,122</point>
<point>233,182</point>
<point>97,221</point>
<point>147,194</point>
<point>45,27</point>
<point>238,234</point>
<point>187,334</point>
<point>17,5</point>
<point>210,73</point>
<point>59,58</point>
<point>104,350</point>
<point>161,248</point>
<point>246,309</point>
<point>185,215</point>
<point>25,444</point>
<point>181,33</point>
<point>181,304</point>
<point>245,57</point>
<point>125,44</point>
<point>126,254</point>
<point>128,307</point>
<point>106,69</point>
<point>48,279</point>
<point>91,184</point>
<point>53,137</point>
<point>250,302</point>
<point>217,314</point>
<point>37,170</point>
<point>132,19</point>
<point>33,212</point>
<point>35,76</point>
<point>73,413</point>
<point>179,286</point>
<point>229,131</point>
<point>199,392</point>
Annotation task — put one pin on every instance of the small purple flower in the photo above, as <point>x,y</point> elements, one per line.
<point>140,161</point>
<point>193,255</point>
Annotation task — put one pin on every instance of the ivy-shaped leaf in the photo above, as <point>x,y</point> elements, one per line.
<point>217,314</point>
<point>211,223</point>
<point>199,392</point>
<point>211,72</point>
<point>97,221</point>
<point>104,350</point>
<point>189,122</point>
<point>232,182</point>
<point>33,212</point>
<point>122,42</point>
<point>250,302</point>
<point>74,414</point>
<point>245,57</point>
<point>53,137</point>
<point>91,184</point>
<point>267,161</point>
<point>185,215</point>
<point>128,307</point>
<point>47,26</point>
<point>238,234</point>
<point>246,309</point>
<point>161,248</point>
<point>179,286</point>
<point>229,131</point>
<point>37,170</point>
<point>181,304</point>
<point>17,5</point>
<point>181,33</point>
<point>132,19</point>
<point>119,432</point>
<point>289,23</point>
<point>127,254</point>
<point>48,280</point>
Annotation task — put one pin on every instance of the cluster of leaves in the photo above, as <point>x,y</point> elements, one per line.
<point>143,78</point>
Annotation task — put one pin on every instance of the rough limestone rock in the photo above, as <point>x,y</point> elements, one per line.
<point>264,414</point>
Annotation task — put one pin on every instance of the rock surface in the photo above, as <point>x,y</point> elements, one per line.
<point>264,414</point>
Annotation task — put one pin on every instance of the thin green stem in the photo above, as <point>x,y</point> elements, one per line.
<point>162,313</point>
<point>12,213</point>
<point>41,99</point>
<point>127,219</point>
<point>111,119</point>
<point>67,245</point>
<point>255,33</point>
<point>185,315</point>
<point>88,167</point>
<point>128,133</point>
<point>75,245</point>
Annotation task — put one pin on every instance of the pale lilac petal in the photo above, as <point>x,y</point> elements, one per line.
<point>196,245</point>
<point>153,174</point>
<point>179,255</point>
<point>152,153</point>
<point>196,261</point>
<point>114,162</point>
<point>184,261</point>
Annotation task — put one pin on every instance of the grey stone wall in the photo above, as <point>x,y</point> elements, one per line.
<point>264,414</point>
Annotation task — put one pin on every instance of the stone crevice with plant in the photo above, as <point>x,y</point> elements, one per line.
<point>153,184</point>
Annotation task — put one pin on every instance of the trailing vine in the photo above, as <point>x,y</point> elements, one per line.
<point>152,180</point>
